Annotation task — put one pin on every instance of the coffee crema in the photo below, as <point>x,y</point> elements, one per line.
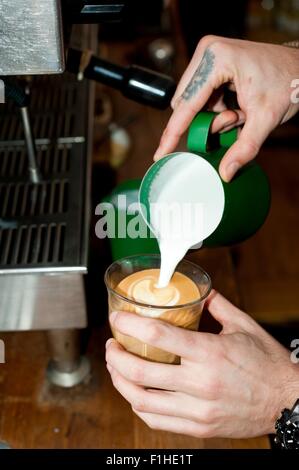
<point>142,286</point>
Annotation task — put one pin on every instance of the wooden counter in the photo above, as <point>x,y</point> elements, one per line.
<point>36,415</point>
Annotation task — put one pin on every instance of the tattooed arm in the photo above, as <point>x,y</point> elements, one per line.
<point>262,75</point>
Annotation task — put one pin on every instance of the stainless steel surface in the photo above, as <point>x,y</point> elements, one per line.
<point>34,173</point>
<point>65,349</point>
<point>59,140</point>
<point>92,9</point>
<point>69,379</point>
<point>67,367</point>
<point>41,302</point>
<point>31,37</point>
<point>43,227</point>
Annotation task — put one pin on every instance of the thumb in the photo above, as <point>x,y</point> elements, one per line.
<point>255,131</point>
<point>227,314</point>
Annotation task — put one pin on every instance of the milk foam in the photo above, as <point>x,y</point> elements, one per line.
<point>186,205</point>
<point>141,287</point>
<point>145,290</point>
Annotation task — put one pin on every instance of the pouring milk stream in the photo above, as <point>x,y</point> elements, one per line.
<point>182,201</point>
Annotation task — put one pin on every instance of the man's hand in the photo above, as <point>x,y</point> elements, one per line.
<point>234,384</point>
<point>260,74</point>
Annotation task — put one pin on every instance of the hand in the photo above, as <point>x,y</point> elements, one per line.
<point>260,74</point>
<point>234,384</point>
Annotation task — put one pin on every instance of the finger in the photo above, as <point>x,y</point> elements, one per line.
<point>225,312</point>
<point>162,402</point>
<point>233,126</point>
<point>227,119</point>
<point>255,131</point>
<point>180,120</point>
<point>157,333</point>
<point>168,377</point>
<point>193,65</point>
<point>175,425</point>
<point>141,372</point>
<point>196,94</point>
<point>144,400</point>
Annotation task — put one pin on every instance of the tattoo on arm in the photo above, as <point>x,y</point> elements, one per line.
<point>200,76</point>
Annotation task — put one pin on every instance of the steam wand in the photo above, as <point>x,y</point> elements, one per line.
<point>21,99</point>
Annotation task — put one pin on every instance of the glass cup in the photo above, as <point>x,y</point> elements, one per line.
<point>184,316</point>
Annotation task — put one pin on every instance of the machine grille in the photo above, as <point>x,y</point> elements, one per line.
<point>42,226</point>
<point>28,200</point>
<point>32,245</point>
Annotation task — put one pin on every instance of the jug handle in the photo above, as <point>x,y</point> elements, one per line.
<point>199,132</point>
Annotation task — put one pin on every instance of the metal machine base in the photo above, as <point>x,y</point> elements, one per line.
<point>66,368</point>
<point>69,379</point>
<point>44,228</point>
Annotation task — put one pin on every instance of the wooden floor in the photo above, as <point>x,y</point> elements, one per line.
<point>261,275</point>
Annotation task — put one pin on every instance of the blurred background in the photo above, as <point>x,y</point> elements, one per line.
<point>261,275</point>
<point>265,267</point>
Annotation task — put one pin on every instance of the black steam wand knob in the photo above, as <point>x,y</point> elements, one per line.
<point>136,83</point>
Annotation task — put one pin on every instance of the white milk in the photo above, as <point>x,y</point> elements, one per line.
<point>186,205</point>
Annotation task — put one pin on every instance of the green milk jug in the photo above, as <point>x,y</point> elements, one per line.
<point>234,211</point>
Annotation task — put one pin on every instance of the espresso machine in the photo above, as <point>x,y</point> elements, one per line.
<point>48,67</point>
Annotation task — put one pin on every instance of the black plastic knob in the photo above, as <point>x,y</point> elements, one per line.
<point>136,83</point>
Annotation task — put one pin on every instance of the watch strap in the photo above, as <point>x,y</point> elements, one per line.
<point>287,428</point>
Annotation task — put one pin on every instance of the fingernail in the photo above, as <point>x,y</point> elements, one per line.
<point>110,340</point>
<point>231,170</point>
<point>112,317</point>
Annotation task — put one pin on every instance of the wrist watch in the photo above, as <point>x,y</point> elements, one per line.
<point>287,428</point>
